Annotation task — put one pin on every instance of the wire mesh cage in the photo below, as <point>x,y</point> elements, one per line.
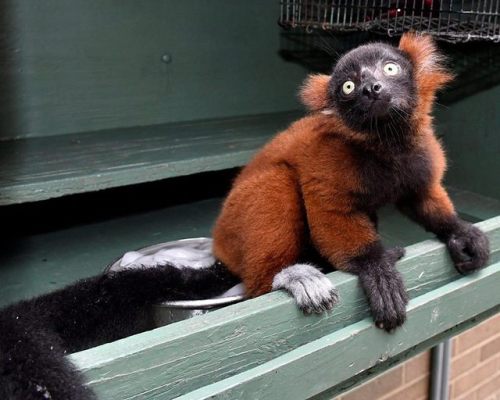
<point>450,20</point>
<point>475,65</point>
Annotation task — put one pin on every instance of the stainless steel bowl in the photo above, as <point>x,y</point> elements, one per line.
<point>172,311</point>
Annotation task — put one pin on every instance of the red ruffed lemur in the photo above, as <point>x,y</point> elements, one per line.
<point>367,141</point>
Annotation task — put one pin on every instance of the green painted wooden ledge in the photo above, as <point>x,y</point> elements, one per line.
<point>171,361</point>
<point>90,161</point>
<point>327,362</point>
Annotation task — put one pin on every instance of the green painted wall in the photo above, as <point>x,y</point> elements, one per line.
<point>84,65</point>
<point>87,65</point>
<point>471,129</point>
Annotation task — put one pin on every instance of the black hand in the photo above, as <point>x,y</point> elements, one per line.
<point>469,248</point>
<point>384,287</point>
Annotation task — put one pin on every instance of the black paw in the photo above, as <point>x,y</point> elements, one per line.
<point>469,248</point>
<point>385,289</point>
<point>312,290</point>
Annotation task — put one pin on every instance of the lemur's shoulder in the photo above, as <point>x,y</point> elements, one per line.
<point>315,136</point>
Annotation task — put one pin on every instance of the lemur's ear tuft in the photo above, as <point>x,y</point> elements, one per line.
<point>430,72</point>
<point>423,53</point>
<point>314,92</point>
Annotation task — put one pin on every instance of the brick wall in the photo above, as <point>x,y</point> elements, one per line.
<point>475,368</point>
<point>474,375</point>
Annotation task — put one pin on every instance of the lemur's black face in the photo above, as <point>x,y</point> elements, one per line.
<point>372,88</point>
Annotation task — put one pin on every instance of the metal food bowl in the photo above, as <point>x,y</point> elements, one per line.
<point>200,255</point>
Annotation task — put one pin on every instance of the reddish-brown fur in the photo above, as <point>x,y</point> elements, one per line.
<point>300,185</point>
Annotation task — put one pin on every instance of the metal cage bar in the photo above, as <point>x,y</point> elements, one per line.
<point>451,20</point>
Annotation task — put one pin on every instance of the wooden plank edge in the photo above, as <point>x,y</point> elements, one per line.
<point>330,360</point>
<point>402,357</point>
<point>26,193</point>
<point>18,192</point>
<point>246,325</point>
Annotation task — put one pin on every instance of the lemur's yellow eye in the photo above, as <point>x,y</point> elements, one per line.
<point>348,87</point>
<point>391,69</point>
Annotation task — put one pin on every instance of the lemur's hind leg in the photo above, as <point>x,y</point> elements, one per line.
<point>260,234</point>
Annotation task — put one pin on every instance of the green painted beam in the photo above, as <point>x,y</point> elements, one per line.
<point>338,356</point>
<point>173,360</point>
<point>391,362</point>
<point>42,168</point>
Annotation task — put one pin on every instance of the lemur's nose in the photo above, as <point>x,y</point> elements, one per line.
<point>372,89</point>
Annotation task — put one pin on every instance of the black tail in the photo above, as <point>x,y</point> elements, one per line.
<point>35,335</point>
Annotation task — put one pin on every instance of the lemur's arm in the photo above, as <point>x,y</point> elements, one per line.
<point>433,209</point>
<point>349,240</point>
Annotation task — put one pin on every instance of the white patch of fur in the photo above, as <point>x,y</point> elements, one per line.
<point>311,289</point>
<point>327,112</point>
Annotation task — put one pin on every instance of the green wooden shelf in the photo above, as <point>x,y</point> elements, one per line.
<point>37,169</point>
<point>326,363</point>
<point>265,346</point>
